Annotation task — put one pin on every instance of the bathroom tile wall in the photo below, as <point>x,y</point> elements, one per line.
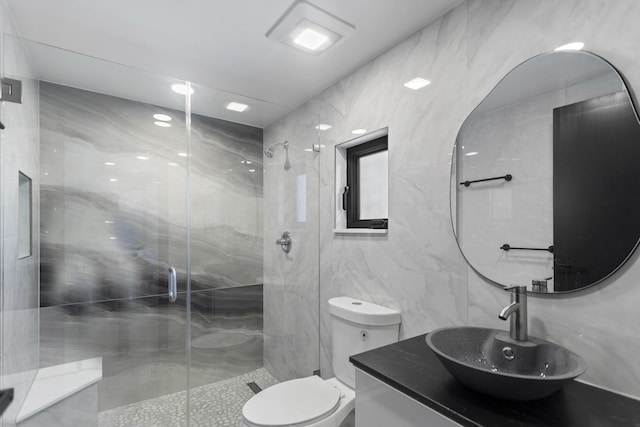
<point>599,323</point>
<point>114,208</point>
<point>19,152</point>
<point>113,220</point>
<point>417,268</point>
<point>291,344</point>
<point>142,341</point>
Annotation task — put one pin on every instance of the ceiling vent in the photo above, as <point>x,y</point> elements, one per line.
<point>309,28</point>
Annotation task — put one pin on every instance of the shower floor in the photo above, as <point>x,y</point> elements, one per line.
<point>217,405</point>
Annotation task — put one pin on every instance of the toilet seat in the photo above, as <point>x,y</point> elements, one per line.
<point>292,403</point>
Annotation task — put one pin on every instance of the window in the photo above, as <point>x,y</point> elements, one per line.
<point>366,195</point>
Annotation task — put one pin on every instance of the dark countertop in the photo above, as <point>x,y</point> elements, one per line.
<point>412,368</point>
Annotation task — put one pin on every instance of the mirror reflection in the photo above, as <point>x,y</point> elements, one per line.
<point>544,183</point>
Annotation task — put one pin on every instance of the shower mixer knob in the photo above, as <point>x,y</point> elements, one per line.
<point>285,242</point>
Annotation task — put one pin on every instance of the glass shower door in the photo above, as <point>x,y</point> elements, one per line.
<point>108,165</point>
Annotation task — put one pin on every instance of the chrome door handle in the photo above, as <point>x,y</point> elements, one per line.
<point>285,242</point>
<point>173,285</point>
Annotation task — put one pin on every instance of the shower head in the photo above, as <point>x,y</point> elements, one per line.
<point>269,151</point>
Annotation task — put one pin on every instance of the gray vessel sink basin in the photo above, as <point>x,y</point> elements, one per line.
<point>490,362</point>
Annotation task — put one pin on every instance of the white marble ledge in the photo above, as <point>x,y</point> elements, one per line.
<point>56,383</point>
<point>360,231</point>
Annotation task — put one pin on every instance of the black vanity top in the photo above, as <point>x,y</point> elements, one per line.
<point>412,368</point>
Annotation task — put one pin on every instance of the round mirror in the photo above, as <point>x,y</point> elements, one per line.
<point>545,187</point>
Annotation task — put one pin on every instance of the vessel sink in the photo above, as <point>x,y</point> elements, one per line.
<point>490,362</point>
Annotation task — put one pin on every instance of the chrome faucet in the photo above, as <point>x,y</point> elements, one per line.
<point>517,310</point>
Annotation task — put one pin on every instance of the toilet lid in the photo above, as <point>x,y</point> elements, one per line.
<point>292,402</point>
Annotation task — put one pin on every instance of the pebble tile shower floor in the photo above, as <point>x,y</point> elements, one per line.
<point>213,405</point>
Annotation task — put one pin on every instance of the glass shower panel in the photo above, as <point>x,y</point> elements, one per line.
<point>110,219</point>
<point>226,256</point>
<point>19,155</point>
<point>291,280</point>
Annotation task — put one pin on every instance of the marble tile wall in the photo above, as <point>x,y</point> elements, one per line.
<point>142,341</point>
<point>19,152</point>
<point>417,268</point>
<point>291,345</point>
<point>114,208</point>
<point>113,220</point>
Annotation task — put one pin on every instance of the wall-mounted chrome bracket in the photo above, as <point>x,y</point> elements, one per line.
<point>285,242</point>
<point>316,148</point>
<point>12,90</point>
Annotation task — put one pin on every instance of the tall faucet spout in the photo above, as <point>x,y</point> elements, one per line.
<point>509,310</point>
<point>517,311</point>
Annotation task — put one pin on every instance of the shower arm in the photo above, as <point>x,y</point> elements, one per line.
<point>269,153</point>
<point>269,150</point>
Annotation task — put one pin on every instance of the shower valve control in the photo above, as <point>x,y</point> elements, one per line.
<point>285,242</point>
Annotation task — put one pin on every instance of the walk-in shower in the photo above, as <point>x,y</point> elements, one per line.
<point>109,174</point>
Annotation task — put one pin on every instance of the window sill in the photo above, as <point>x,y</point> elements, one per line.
<point>360,230</point>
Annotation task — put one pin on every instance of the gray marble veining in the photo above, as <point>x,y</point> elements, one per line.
<point>142,341</point>
<point>114,207</point>
<point>417,268</point>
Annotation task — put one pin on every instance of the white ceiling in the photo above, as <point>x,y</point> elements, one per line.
<point>218,44</point>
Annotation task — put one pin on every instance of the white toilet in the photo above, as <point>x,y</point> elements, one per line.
<point>356,326</point>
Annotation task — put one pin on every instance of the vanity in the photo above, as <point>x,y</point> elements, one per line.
<point>405,385</point>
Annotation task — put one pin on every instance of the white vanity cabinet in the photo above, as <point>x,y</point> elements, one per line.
<point>380,405</point>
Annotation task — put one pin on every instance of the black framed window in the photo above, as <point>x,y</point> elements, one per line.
<point>366,194</point>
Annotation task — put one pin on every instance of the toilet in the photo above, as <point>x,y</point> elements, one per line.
<point>356,326</point>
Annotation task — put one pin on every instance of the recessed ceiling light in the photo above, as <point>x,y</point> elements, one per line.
<point>142,158</point>
<point>46,173</point>
<point>252,170</point>
<point>471,153</point>
<point>358,131</point>
<point>162,124</point>
<point>106,221</point>
<point>113,179</point>
<point>323,126</point>
<point>236,106</point>
<point>109,163</point>
<point>113,238</point>
<point>310,39</point>
<point>417,83</point>
<point>249,162</point>
<point>309,28</point>
<point>570,46</point>
<point>182,154</point>
<point>181,88</point>
<point>162,117</point>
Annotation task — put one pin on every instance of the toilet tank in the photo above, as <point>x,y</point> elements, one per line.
<point>358,326</point>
